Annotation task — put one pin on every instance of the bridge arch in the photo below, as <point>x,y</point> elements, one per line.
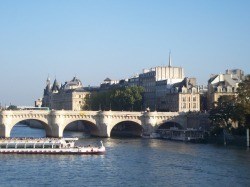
<point>43,123</point>
<point>170,124</point>
<point>126,128</point>
<point>83,125</point>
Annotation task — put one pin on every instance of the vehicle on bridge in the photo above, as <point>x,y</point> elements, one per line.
<point>46,146</point>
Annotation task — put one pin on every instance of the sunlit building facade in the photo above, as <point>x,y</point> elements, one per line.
<point>68,96</point>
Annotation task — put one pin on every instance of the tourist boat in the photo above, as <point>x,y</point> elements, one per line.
<point>46,146</point>
<point>188,135</point>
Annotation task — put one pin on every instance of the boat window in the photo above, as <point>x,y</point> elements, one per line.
<point>47,146</point>
<point>29,146</point>
<point>3,145</point>
<point>10,146</point>
<point>39,145</point>
<point>20,146</point>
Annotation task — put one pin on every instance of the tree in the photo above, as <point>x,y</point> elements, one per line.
<point>225,112</point>
<point>125,98</point>
<point>129,98</point>
<point>243,99</point>
<point>97,100</point>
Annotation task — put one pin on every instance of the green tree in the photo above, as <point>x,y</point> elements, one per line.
<point>97,100</point>
<point>226,111</point>
<point>243,99</point>
<point>125,98</point>
<point>129,98</point>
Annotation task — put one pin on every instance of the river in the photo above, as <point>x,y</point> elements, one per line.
<point>129,162</point>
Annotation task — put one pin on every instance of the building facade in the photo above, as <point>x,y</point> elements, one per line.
<point>68,96</point>
<point>157,80</point>
<point>223,84</point>
<point>179,97</point>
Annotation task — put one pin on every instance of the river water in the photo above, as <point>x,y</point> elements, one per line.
<point>129,162</point>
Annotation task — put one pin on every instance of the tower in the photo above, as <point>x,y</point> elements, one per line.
<point>169,60</point>
<point>48,81</point>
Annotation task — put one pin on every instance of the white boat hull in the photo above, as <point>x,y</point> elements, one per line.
<point>46,146</point>
<point>87,150</point>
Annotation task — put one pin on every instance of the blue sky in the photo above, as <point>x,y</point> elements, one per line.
<point>116,38</point>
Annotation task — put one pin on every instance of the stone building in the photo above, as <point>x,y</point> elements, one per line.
<point>150,78</point>
<point>180,97</point>
<point>68,96</point>
<point>38,102</point>
<point>223,84</point>
<point>134,81</point>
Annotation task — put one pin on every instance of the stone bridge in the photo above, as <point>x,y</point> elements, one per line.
<point>102,122</point>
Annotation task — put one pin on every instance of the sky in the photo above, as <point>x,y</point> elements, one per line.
<point>96,39</point>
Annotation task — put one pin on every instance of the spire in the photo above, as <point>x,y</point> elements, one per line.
<point>48,80</point>
<point>169,60</point>
<point>55,87</point>
<point>48,87</point>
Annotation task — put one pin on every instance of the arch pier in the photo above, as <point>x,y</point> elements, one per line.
<point>100,123</point>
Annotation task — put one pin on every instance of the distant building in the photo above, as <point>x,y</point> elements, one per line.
<point>180,97</point>
<point>150,81</point>
<point>134,81</point>
<point>238,72</point>
<point>39,102</point>
<point>108,84</point>
<point>69,96</point>
<point>223,84</point>
<point>203,98</point>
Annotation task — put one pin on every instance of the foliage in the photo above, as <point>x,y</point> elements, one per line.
<point>244,94</point>
<point>216,131</point>
<point>231,109</point>
<point>225,112</point>
<point>97,100</point>
<point>244,99</point>
<point>129,98</point>
<point>125,98</point>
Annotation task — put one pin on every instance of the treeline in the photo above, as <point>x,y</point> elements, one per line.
<point>233,109</point>
<point>125,98</point>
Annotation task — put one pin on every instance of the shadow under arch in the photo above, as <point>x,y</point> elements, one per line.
<point>30,128</point>
<point>126,129</point>
<point>80,128</point>
<point>170,124</point>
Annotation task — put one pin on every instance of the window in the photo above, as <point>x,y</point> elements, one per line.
<point>184,105</point>
<point>194,105</point>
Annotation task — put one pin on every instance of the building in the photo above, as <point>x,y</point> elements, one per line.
<point>180,97</point>
<point>134,80</point>
<point>39,102</point>
<point>223,84</point>
<point>68,96</point>
<point>150,81</point>
<point>108,84</point>
<point>203,97</point>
